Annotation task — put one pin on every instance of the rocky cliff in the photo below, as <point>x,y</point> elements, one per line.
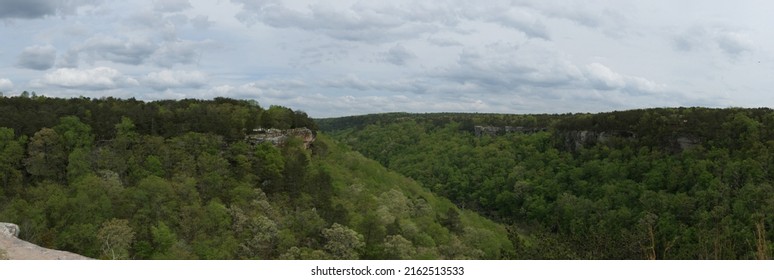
<point>481,130</point>
<point>575,140</point>
<point>13,248</point>
<point>279,137</point>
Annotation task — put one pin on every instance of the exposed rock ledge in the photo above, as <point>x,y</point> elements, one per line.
<point>17,249</point>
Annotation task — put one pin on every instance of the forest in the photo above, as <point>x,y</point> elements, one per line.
<point>183,179</point>
<point>125,179</point>
<point>662,183</point>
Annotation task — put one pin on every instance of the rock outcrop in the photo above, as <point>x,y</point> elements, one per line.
<point>279,137</point>
<point>17,249</point>
<point>481,130</point>
<point>686,142</point>
<point>575,140</point>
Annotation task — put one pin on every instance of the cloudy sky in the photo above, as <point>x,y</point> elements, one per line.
<point>335,58</point>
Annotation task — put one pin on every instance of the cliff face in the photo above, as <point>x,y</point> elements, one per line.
<point>279,137</point>
<point>481,130</point>
<point>14,248</point>
<point>575,140</point>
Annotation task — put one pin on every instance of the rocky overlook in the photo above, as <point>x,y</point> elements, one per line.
<point>279,137</point>
<point>13,248</point>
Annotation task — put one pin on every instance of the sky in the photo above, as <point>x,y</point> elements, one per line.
<point>343,57</point>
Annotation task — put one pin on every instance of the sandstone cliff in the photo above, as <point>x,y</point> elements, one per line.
<point>279,137</point>
<point>13,248</point>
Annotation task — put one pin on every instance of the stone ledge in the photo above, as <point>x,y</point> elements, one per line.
<point>17,249</point>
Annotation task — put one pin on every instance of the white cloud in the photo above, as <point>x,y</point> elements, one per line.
<point>603,78</point>
<point>37,57</point>
<point>167,79</point>
<point>99,78</point>
<point>5,84</point>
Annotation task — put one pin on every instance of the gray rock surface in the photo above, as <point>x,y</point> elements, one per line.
<point>17,249</point>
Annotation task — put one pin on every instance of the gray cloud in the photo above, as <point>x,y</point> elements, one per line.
<point>523,21</point>
<point>398,55</point>
<point>201,22</point>
<point>171,6</point>
<point>31,9</point>
<point>37,57</point>
<point>352,23</point>
<point>68,59</point>
<point>611,20</point>
<point>734,43</point>
<point>136,51</point>
<point>375,23</point>
<point>505,68</point>
<point>728,41</point>
<point>27,8</point>
<point>443,42</point>
<point>179,52</point>
<point>354,82</point>
<point>133,52</point>
<point>148,19</point>
<point>363,21</point>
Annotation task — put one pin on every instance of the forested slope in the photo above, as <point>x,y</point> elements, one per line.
<point>126,179</point>
<point>683,183</point>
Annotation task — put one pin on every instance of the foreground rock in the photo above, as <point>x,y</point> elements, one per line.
<point>17,249</point>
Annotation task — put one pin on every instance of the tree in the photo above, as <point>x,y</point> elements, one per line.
<point>74,133</point>
<point>343,243</point>
<point>397,247</point>
<point>257,234</point>
<point>78,164</point>
<point>268,164</point>
<point>452,221</point>
<point>11,156</point>
<point>47,157</point>
<point>116,236</point>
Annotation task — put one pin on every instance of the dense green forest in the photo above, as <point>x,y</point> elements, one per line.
<point>127,179</point>
<point>670,183</point>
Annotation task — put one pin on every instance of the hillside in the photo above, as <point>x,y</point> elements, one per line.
<point>669,183</point>
<point>197,179</point>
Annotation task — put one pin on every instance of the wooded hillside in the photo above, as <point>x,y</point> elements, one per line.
<point>126,179</point>
<point>682,183</point>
